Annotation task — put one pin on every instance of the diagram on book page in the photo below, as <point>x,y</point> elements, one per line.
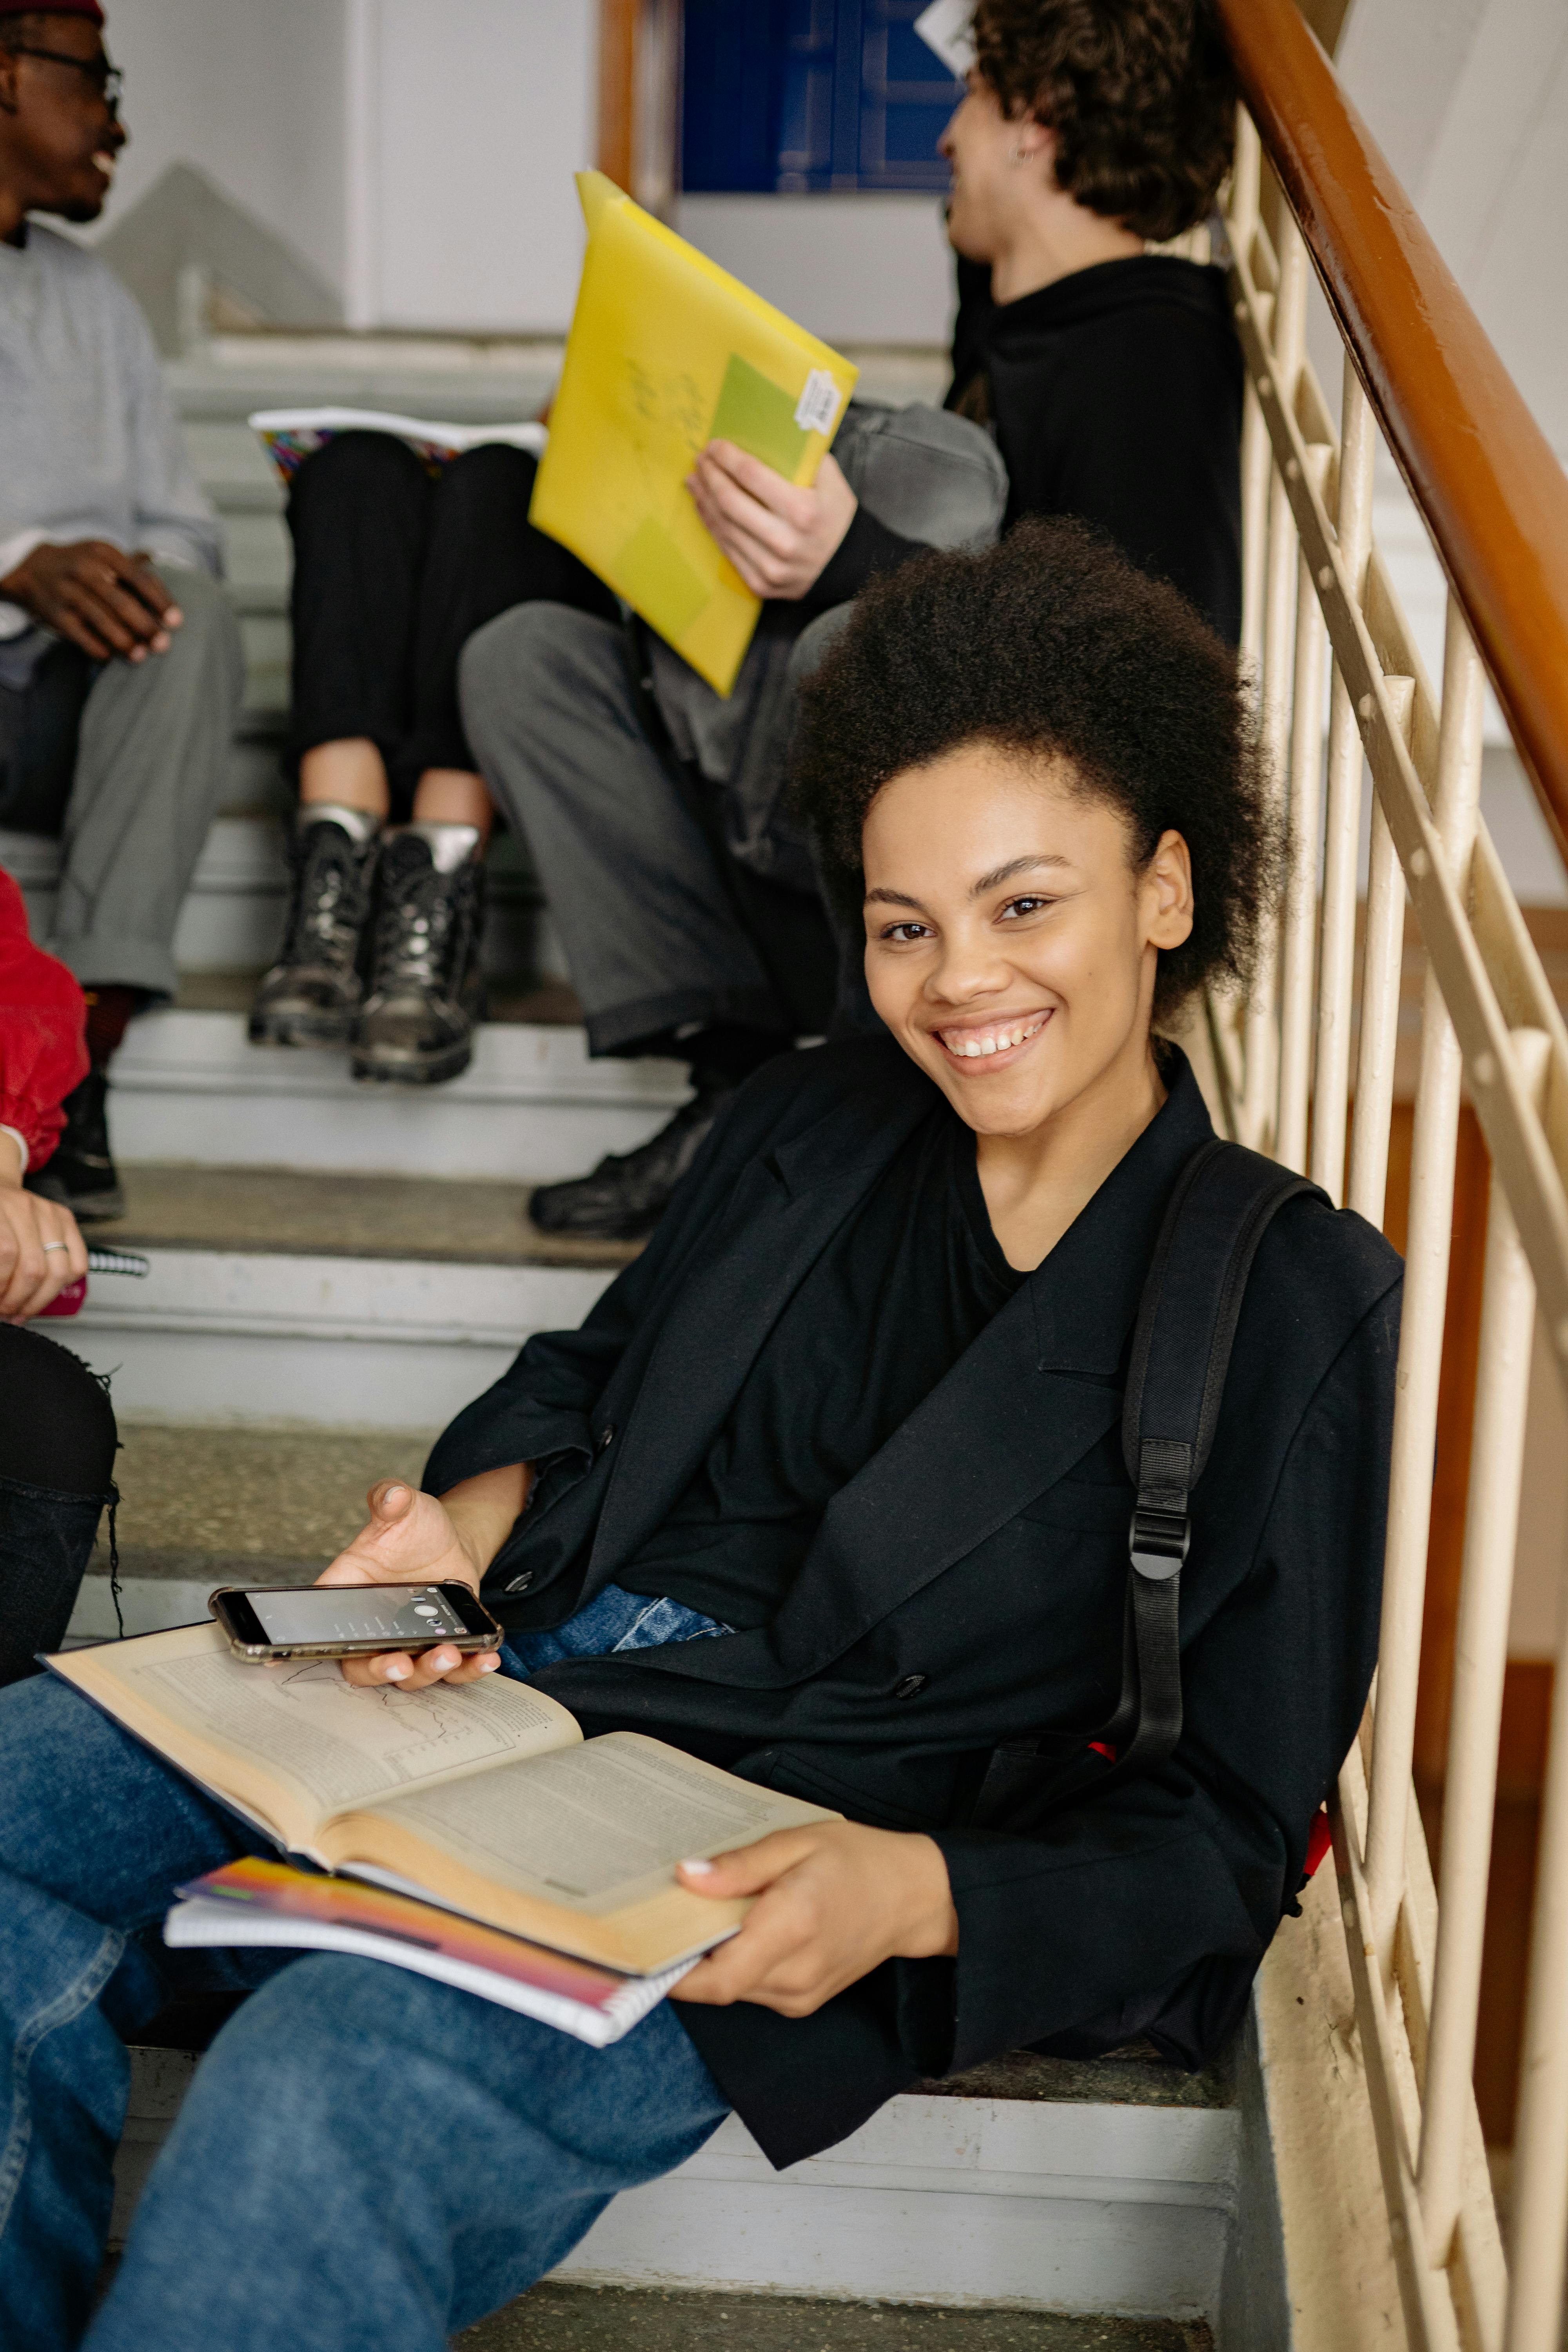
<point>344,1744</point>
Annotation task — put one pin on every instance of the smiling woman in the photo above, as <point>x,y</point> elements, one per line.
<point>830,1489</point>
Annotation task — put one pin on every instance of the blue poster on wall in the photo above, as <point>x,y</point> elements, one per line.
<point>785,96</point>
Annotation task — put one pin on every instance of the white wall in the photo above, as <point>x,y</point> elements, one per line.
<point>436,193</point>
<point>482,111</point>
<point>1469,98</point>
<point>251,94</point>
<point>871,268</point>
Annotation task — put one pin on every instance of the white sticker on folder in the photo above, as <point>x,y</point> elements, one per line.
<point>946,27</point>
<point>819,404</point>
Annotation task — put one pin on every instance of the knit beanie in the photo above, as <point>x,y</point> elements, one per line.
<point>89,8</point>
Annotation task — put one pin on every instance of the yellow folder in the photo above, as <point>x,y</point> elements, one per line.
<point>667,353</point>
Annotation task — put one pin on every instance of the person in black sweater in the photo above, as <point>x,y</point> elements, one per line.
<point>1111,379</point>
<point>1110,375</point>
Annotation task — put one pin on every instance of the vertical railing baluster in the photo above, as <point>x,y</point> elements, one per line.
<point>1382,954</point>
<point>1336,967</point>
<point>1259,1108</point>
<point>1299,928</point>
<point>1480,1661</point>
<point>1432,1161</point>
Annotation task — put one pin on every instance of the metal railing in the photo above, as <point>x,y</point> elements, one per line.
<point>1306,1071</point>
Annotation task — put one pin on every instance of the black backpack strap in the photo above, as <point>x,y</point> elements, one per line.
<point>1219,1210</point>
<point>1221,1207</point>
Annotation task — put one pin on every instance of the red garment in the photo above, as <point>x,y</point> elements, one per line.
<point>43,1016</point>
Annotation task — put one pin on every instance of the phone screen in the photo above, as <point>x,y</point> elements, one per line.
<point>411,1613</point>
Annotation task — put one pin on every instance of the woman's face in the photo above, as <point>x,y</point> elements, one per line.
<point>1011,945</point>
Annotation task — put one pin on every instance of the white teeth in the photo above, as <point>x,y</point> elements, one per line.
<point>974,1046</point>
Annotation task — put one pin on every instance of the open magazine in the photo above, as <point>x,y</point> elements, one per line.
<point>289,435</point>
<point>483,1798</point>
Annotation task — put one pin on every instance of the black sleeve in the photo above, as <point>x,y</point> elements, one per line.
<point>1111,1900</point>
<point>867,547</point>
<point>1145,443</point>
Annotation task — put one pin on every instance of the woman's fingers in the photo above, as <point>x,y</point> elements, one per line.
<point>373,1557</point>
<point>418,1672</point>
<point>41,1250</point>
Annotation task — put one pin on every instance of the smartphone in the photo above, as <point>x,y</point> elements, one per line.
<point>350,1621</point>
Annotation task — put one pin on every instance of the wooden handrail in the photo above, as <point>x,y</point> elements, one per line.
<point>1487,482</point>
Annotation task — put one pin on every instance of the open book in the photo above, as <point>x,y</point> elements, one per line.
<point>289,435</point>
<point>485,1797</point>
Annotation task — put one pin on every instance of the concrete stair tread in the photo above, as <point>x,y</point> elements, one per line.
<point>639,2319</point>
<point>440,1219</point>
<point>547,1004</point>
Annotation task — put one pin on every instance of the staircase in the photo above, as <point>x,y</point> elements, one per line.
<point>335,1271</point>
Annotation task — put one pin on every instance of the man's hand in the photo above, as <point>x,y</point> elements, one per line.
<point>41,1249</point>
<point>778,537</point>
<point>833,1902</point>
<point>415,1538</point>
<point>108,602</point>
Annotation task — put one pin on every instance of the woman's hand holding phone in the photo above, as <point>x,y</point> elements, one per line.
<point>415,1539</point>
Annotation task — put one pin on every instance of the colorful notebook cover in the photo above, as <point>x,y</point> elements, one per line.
<point>257,1902</point>
<point>289,435</point>
<point>667,353</point>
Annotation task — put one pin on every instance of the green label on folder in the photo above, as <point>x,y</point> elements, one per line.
<point>655,578</point>
<point>757,417</point>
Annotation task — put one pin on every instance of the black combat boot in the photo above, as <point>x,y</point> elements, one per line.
<point>312,994</point>
<point>79,1174</point>
<point>425,988</point>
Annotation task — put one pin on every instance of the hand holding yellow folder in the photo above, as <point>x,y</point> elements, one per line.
<point>667,353</point>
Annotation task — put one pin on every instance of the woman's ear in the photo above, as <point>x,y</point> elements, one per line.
<point>1165,890</point>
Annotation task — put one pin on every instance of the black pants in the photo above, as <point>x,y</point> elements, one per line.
<point>57,1472</point>
<point>394,571</point>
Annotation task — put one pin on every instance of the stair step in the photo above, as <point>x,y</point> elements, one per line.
<point>532,1107</point>
<point>556,2318</point>
<point>1095,2187</point>
<point>205,1506</point>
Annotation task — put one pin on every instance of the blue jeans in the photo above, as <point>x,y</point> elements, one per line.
<point>367,2158</point>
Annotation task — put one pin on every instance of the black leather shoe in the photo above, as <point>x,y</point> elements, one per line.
<point>312,994</point>
<point>79,1174</point>
<point>426,989</point>
<point>628,1192</point>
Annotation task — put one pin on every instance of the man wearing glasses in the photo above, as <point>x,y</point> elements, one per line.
<point>120,662</point>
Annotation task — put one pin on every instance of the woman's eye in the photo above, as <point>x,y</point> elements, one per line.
<point>1024,907</point>
<point>906,932</point>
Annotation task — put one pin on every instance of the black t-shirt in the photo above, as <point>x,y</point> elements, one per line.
<point>887,1308</point>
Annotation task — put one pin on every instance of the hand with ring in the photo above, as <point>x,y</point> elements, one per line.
<point>33,1232</point>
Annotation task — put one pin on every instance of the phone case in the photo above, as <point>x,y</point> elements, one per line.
<point>261,1652</point>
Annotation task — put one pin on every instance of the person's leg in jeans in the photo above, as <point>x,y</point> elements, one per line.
<point>94,1833</point>
<point>369,2161</point>
<point>151,761</point>
<point>482,556</point>
<point>58,1441</point>
<point>659,956</point>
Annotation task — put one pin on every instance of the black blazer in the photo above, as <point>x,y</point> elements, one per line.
<point>967,1588</point>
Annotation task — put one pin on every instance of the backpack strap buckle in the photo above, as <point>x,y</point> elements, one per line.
<point>1158,1542</point>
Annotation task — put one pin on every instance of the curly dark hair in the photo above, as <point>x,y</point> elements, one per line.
<point>1140,94</point>
<point>1056,648</point>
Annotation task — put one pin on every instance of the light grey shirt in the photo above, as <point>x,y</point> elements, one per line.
<point>89,443</point>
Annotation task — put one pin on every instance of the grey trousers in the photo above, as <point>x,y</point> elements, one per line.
<point>149,757</point>
<point>661,931</point>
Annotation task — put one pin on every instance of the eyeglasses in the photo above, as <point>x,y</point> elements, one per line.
<point>107,80</point>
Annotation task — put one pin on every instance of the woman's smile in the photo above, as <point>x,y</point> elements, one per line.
<point>997,1041</point>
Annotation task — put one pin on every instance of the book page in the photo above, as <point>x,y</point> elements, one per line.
<point>594,1827</point>
<point>298,1725</point>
